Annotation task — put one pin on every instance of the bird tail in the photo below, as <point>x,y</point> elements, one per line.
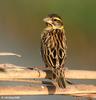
<point>60,77</point>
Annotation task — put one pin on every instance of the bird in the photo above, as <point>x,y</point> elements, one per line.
<point>54,47</point>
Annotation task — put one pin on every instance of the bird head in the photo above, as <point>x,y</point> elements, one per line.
<point>53,21</point>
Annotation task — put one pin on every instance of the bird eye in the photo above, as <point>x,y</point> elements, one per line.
<point>55,19</point>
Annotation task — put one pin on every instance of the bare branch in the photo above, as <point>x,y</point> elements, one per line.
<point>13,71</point>
<point>9,72</point>
<point>74,90</point>
<point>9,54</point>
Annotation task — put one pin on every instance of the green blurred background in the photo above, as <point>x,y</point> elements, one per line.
<point>21,23</point>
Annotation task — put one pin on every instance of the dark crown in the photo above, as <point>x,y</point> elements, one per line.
<point>53,15</point>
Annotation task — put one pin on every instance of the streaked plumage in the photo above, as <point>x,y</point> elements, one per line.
<point>53,47</point>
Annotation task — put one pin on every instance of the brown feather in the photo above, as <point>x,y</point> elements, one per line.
<point>53,50</point>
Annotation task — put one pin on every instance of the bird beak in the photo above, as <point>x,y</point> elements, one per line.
<point>47,20</point>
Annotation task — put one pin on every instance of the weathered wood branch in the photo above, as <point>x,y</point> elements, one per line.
<point>9,54</point>
<point>74,90</point>
<point>13,71</point>
<point>9,72</point>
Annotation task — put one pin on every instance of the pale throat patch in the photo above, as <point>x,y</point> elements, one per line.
<point>57,27</point>
<point>54,27</point>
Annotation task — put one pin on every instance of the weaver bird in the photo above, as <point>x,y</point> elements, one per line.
<point>53,47</point>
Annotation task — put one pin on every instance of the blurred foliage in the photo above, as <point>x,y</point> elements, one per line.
<point>21,25</point>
